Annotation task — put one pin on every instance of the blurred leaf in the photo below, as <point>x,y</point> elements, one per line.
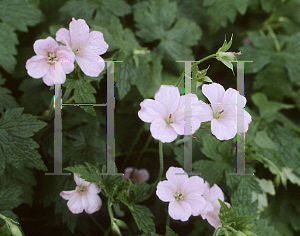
<point>17,148</point>
<point>20,14</point>
<point>6,99</point>
<point>8,41</point>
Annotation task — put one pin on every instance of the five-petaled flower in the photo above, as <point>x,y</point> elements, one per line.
<point>183,193</point>
<point>52,62</point>
<point>224,111</point>
<point>86,46</point>
<point>84,197</point>
<point>212,209</point>
<point>166,113</point>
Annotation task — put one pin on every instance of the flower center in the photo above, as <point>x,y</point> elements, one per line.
<point>169,120</point>
<point>81,189</point>
<point>217,114</point>
<point>178,195</point>
<point>52,59</point>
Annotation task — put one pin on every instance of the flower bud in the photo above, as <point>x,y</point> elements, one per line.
<point>116,228</point>
<point>240,233</point>
<point>15,231</point>
<point>121,223</point>
<point>249,233</point>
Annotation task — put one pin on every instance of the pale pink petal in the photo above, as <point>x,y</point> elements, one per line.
<point>67,194</point>
<point>208,208</point>
<point>95,43</point>
<point>180,210</point>
<point>79,181</point>
<point>59,74</point>
<point>49,77</point>
<point>63,36</point>
<point>75,204</point>
<point>66,58</point>
<point>142,175</point>
<point>206,113</point>
<point>214,193</point>
<point>151,110</point>
<point>196,201</point>
<point>79,32</point>
<point>176,180</point>
<point>178,126</point>
<point>94,188</point>
<point>169,96</point>
<point>91,64</point>
<point>223,129</point>
<point>194,184</point>
<point>91,202</point>
<point>37,66</point>
<point>213,219</point>
<point>127,173</point>
<point>44,46</point>
<point>162,131</point>
<point>214,92</point>
<point>245,117</point>
<point>165,191</point>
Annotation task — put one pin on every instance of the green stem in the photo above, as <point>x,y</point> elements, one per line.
<point>71,99</point>
<point>66,95</point>
<point>161,162</point>
<point>107,231</point>
<point>271,32</point>
<point>93,219</point>
<point>111,214</point>
<point>217,230</point>
<point>141,153</point>
<point>195,64</point>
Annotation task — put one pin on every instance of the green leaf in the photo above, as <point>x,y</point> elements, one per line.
<point>263,140</point>
<point>242,200</point>
<point>227,215</point>
<point>78,10</point>
<point>263,228</point>
<point>211,171</point>
<point>10,194</point>
<point>268,109</point>
<point>6,99</point>
<point>170,232</point>
<point>220,12</point>
<point>8,41</point>
<point>143,218</point>
<point>157,22</point>
<point>16,146</point>
<point>83,93</point>
<point>20,14</point>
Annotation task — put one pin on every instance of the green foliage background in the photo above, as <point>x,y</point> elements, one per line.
<point>265,31</point>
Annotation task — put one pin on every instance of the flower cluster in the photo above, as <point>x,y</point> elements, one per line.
<point>166,112</point>
<point>81,46</point>
<point>190,196</point>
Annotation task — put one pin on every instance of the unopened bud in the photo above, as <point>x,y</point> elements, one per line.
<point>15,231</point>
<point>121,223</point>
<point>116,229</point>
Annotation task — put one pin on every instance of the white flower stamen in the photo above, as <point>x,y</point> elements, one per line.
<point>52,59</point>
<point>178,195</point>
<point>169,120</point>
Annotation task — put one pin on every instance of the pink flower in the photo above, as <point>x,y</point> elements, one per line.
<point>138,176</point>
<point>52,62</point>
<point>86,46</point>
<point>166,113</point>
<point>183,193</point>
<point>223,117</point>
<point>84,197</point>
<point>211,211</point>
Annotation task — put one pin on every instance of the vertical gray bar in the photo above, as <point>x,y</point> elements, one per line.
<point>110,127</point>
<point>57,133</point>
<point>187,118</point>
<point>188,158</point>
<point>240,137</point>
